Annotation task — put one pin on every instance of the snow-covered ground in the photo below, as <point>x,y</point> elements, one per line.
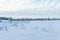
<point>29,30</point>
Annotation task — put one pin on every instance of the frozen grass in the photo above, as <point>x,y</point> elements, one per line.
<point>30,30</point>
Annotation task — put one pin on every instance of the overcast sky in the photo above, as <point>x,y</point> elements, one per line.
<point>30,8</point>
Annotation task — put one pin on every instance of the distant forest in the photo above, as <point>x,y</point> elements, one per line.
<point>27,19</point>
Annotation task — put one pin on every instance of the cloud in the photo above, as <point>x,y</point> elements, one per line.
<point>27,8</point>
<point>42,5</point>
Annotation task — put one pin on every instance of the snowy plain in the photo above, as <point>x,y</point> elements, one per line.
<point>30,30</point>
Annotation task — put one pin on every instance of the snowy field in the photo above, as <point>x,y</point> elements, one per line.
<point>29,30</point>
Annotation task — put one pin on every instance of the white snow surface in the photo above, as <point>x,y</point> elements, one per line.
<point>29,30</point>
